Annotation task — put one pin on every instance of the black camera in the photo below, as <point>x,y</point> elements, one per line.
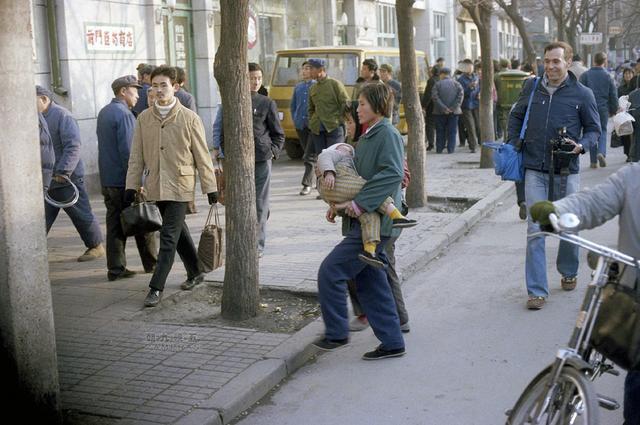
<point>562,142</point>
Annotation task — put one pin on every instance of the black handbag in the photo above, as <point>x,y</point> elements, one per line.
<point>616,142</point>
<point>140,217</point>
<point>616,332</point>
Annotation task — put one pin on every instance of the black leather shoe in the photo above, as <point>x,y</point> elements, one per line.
<point>188,284</point>
<point>122,275</point>
<point>153,298</point>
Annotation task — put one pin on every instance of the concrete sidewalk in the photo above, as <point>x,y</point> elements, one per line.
<point>116,368</point>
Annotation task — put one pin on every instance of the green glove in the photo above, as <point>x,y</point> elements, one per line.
<point>540,212</point>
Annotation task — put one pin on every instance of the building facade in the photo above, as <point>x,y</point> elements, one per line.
<point>81,46</point>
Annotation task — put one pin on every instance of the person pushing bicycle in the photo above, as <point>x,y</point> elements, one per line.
<point>617,195</point>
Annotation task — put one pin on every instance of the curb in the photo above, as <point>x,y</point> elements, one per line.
<point>438,241</point>
<point>254,383</point>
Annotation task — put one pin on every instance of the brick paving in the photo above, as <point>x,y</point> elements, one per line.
<point>115,368</point>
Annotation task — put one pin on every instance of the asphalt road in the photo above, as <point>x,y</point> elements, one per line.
<point>473,346</point>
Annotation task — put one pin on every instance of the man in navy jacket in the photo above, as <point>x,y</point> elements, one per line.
<point>300,116</point>
<point>114,129</point>
<point>65,136</point>
<point>604,89</point>
<point>559,101</point>
<point>470,104</point>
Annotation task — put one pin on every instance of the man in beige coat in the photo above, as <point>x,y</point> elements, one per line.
<point>169,142</point>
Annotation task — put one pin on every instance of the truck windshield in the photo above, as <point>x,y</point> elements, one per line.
<point>341,66</point>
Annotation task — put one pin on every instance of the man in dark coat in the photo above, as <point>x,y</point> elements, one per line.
<point>604,90</point>
<point>268,137</point>
<point>573,108</point>
<point>65,136</point>
<point>182,94</point>
<point>114,129</point>
<point>427,107</point>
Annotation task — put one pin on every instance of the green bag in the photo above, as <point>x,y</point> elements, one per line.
<point>616,332</point>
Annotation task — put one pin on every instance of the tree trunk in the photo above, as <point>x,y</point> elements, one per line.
<point>480,12</point>
<point>416,153</point>
<point>241,296</point>
<point>487,131</point>
<point>558,14</point>
<point>513,12</point>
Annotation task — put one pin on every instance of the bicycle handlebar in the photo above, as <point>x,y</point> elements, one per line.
<point>568,236</point>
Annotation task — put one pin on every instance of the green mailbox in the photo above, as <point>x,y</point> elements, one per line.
<point>509,87</point>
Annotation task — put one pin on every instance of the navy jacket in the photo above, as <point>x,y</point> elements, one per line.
<point>65,136</point>
<point>300,104</point>
<point>115,133</point>
<point>447,93</point>
<point>187,99</point>
<point>604,89</point>
<point>268,135</point>
<point>470,100</point>
<point>142,103</point>
<point>47,155</point>
<point>572,106</point>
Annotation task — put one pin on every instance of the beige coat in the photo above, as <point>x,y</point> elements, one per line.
<point>171,149</point>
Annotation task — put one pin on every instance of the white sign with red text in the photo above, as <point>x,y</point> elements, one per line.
<point>109,38</point>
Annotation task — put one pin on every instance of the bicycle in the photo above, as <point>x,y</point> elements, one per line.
<point>563,392</point>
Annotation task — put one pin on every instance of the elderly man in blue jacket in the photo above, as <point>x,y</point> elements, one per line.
<point>559,101</point>
<point>114,129</point>
<point>47,155</point>
<point>65,136</point>
<point>604,90</point>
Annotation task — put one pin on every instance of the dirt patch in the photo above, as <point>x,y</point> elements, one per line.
<point>280,311</point>
<point>449,205</point>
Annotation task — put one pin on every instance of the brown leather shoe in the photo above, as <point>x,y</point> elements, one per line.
<point>536,303</point>
<point>92,253</point>
<point>569,283</point>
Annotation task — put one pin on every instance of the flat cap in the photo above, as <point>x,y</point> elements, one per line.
<point>41,91</point>
<point>126,81</point>
<point>317,63</point>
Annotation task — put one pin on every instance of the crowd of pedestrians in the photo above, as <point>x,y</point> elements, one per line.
<point>151,142</point>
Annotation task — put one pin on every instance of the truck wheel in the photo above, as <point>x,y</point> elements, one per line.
<point>293,148</point>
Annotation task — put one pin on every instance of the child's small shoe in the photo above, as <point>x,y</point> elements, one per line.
<point>403,223</point>
<point>371,260</point>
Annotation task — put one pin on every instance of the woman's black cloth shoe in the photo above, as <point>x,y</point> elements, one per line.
<point>381,353</point>
<point>330,344</point>
<point>403,223</point>
<point>371,260</point>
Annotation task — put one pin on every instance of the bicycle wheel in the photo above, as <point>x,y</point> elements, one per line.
<point>572,401</point>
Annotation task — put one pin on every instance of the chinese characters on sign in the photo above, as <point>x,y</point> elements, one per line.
<point>590,38</point>
<point>181,52</point>
<point>109,38</point>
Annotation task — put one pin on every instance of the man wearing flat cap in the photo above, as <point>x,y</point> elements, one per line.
<point>114,129</point>
<point>65,137</point>
<point>327,99</point>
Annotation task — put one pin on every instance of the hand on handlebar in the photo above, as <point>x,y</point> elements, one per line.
<point>540,214</point>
